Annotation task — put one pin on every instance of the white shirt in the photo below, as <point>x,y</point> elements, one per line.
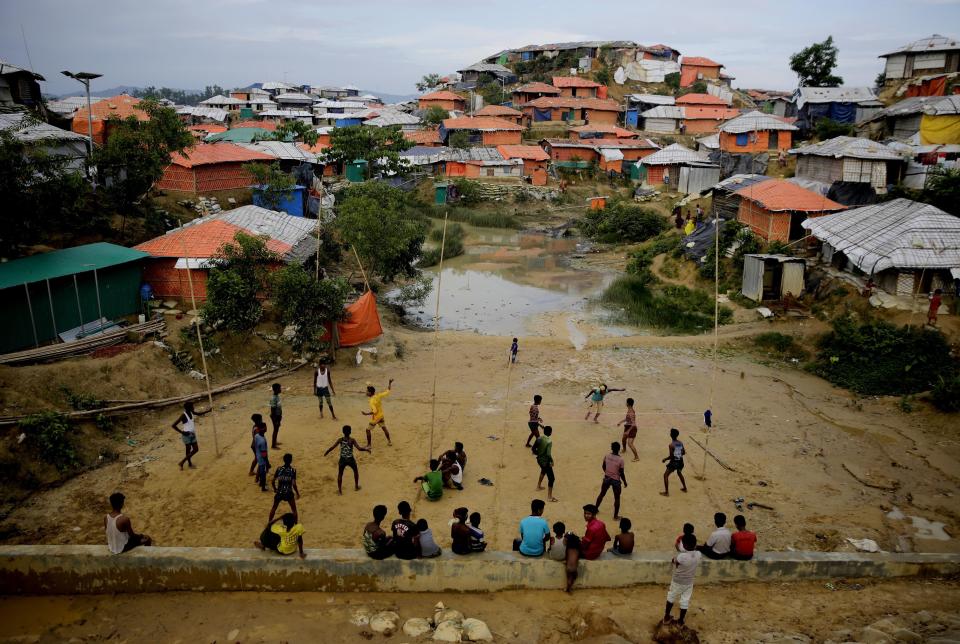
<point>686,567</point>
<point>456,474</point>
<point>189,425</point>
<point>720,541</point>
<point>323,378</point>
<point>116,540</point>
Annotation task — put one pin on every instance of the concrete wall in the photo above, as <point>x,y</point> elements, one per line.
<point>91,569</point>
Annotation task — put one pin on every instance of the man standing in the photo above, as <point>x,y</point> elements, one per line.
<point>189,432</point>
<point>323,387</point>
<point>120,535</point>
<point>276,413</point>
<point>406,536</point>
<point>347,444</point>
<point>629,423</point>
<point>263,461</point>
<point>535,422</point>
<point>534,532</point>
<point>376,411</point>
<point>543,450</point>
<point>613,476</point>
<point>595,537</point>
<point>284,486</point>
<point>681,585</point>
<point>674,461</point>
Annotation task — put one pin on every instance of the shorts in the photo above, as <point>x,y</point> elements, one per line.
<point>322,392</point>
<point>283,496</point>
<point>426,491</point>
<point>133,542</point>
<point>380,422</point>
<point>614,483</point>
<point>683,593</point>
<point>630,431</point>
<point>675,465</point>
<point>188,438</point>
<point>596,403</point>
<point>275,419</point>
<point>348,462</point>
<point>548,471</point>
<point>270,539</point>
<point>534,429</point>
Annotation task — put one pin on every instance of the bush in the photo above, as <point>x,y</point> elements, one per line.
<point>468,192</point>
<point>452,247</point>
<point>236,281</point>
<point>308,304</point>
<point>946,393</point>
<point>80,401</point>
<point>828,128</point>
<point>879,358</point>
<point>783,345</point>
<point>623,222</point>
<point>676,308</point>
<point>49,432</point>
<point>483,219</point>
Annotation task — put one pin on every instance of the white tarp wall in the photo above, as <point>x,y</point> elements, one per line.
<point>696,179</point>
<point>720,91</point>
<point>752,286</point>
<point>650,71</point>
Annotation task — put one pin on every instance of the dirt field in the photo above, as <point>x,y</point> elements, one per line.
<point>799,613</point>
<point>830,466</point>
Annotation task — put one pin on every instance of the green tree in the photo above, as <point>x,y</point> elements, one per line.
<point>602,75</point>
<point>44,198</point>
<point>672,80</point>
<point>434,115</point>
<point>276,185</point>
<point>308,304</point>
<point>943,190</point>
<point>379,146</point>
<point>828,129</point>
<point>378,221</point>
<point>295,131</point>
<point>623,222</point>
<point>234,284</point>
<point>492,91</point>
<point>137,152</point>
<point>459,139</point>
<point>429,81</point>
<point>814,65</point>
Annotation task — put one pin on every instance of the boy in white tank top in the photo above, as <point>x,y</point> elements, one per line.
<point>120,535</point>
<point>323,387</point>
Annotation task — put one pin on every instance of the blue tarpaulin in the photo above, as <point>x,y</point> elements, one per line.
<point>541,115</point>
<point>843,112</point>
<point>630,118</point>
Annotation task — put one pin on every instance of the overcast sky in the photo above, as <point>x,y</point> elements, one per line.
<point>388,45</point>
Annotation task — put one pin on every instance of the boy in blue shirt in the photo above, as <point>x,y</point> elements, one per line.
<point>534,532</point>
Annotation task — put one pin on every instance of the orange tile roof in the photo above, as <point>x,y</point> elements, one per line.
<point>498,110</point>
<point>699,61</point>
<point>537,87</point>
<point>207,153</point>
<point>619,132</point>
<point>209,128</point>
<point>200,241</point>
<point>574,81</point>
<point>713,113</point>
<point>423,137</point>
<point>479,123</point>
<point>266,125</point>
<point>528,152</point>
<point>622,143</point>
<point>700,99</point>
<point>781,195</point>
<point>602,104</point>
<point>442,95</point>
<point>122,105</point>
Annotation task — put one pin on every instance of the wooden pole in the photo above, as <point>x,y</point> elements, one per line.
<point>436,338</point>
<point>360,264</point>
<point>203,356</point>
<point>33,323</point>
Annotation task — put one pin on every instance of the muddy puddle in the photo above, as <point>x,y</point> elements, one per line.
<point>511,282</point>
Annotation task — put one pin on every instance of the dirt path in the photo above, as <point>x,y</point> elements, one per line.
<point>779,613</point>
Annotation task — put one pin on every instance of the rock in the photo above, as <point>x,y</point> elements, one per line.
<point>289,332</point>
<point>448,631</point>
<point>906,635</point>
<point>475,630</point>
<point>197,375</point>
<point>360,616</point>
<point>447,615</point>
<point>886,625</point>
<point>416,626</point>
<point>871,635</point>
<point>924,617</point>
<point>232,635</point>
<point>384,622</point>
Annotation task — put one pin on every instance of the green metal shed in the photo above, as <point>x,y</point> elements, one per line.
<point>45,295</point>
<point>357,170</point>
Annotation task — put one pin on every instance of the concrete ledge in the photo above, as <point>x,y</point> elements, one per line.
<point>91,569</point>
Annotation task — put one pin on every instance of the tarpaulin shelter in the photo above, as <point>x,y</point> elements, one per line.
<point>362,323</point>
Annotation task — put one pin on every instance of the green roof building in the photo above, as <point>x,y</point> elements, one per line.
<point>52,293</point>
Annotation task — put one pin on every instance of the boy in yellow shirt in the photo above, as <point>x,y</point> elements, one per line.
<point>376,411</point>
<point>283,535</point>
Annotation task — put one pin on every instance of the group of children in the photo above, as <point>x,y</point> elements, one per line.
<point>409,540</point>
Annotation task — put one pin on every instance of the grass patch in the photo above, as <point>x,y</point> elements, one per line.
<point>484,219</point>
<point>782,345</point>
<point>452,247</point>
<point>675,308</point>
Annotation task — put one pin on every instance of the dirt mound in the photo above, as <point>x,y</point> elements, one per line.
<point>674,633</point>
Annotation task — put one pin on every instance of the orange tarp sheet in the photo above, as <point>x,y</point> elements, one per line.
<point>363,323</point>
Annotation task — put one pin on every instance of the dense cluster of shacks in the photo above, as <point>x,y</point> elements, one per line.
<point>563,122</point>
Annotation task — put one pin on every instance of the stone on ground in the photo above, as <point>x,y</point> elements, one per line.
<point>447,615</point>
<point>871,635</point>
<point>360,616</point>
<point>416,626</point>
<point>384,622</point>
<point>475,630</point>
<point>448,631</point>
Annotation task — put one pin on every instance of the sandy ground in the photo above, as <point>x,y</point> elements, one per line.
<point>794,442</point>
<point>731,613</point>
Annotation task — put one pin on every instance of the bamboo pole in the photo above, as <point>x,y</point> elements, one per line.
<point>360,264</point>
<point>203,355</point>
<point>436,339</point>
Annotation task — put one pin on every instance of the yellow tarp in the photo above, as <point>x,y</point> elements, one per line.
<point>940,129</point>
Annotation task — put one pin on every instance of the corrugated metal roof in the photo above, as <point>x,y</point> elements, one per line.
<point>754,121</point>
<point>778,195</point>
<point>239,135</point>
<point>894,234</point>
<point>737,181</point>
<point>674,154</point>
<point>294,97</point>
<point>487,67</point>
<point>28,129</point>
<point>213,113</point>
<point>69,261</point>
<point>67,105</point>
<point>386,118</point>
<point>806,95</point>
<point>712,141</point>
<point>278,226</point>
<point>199,240</point>
<point>932,105</point>
<point>7,68</point>
<point>652,99</point>
<point>120,106</point>
<point>848,146</point>
<point>288,151</point>
<point>347,105</point>
<point>663,112</point>
<point>293,114</point>
<point>220,99</point>
<point>936,42</point>
<point>274,85</point>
